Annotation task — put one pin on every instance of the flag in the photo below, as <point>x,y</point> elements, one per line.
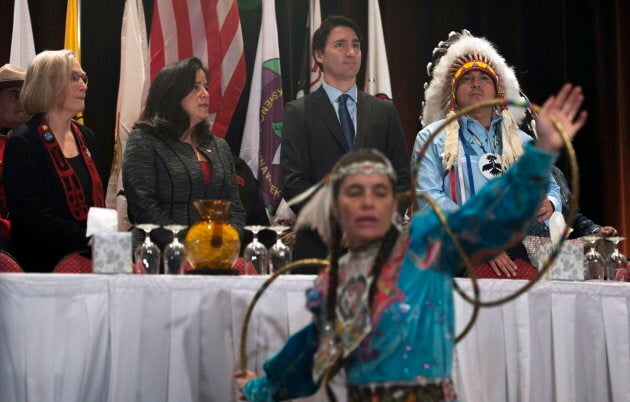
<point>72,38</point>
<point>377,71</point>
<point>260,146</point>
<point>211,31</point>
<point>133,87</point>
<point>310,74</point>
<point>22,44</point>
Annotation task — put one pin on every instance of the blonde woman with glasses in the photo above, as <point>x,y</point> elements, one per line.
<point>51,174</point>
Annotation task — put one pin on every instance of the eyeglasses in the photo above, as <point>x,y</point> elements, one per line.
<point>76,77</point>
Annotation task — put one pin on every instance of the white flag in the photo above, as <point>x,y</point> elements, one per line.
<point>132,93</point>
<point>377,73</point>
<point>22,44</point>
<point>260,146</point>
<point>315,20</point>
<point>314,75</point>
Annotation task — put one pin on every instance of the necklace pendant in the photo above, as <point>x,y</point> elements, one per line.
<point>490,165</point>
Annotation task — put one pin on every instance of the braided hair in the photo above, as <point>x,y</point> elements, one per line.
<point>384,252</point>
<point>336,251</point>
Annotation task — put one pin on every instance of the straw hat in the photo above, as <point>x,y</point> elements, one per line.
<point>11,76</point>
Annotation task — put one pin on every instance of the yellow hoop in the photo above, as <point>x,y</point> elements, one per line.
<point>261,290</point>
<point>476,301</point>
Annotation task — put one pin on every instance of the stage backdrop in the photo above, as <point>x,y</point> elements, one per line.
<point>549,42</point>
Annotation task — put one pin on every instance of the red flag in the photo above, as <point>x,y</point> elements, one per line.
<point>211,31</point>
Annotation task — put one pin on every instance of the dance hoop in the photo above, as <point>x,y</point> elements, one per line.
<point>260,291</point>
<point>476,300</point>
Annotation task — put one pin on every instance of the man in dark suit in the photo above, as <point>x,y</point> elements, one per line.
<point>322,126</point>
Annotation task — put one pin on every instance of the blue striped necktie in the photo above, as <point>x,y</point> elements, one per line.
<point>346,121</point>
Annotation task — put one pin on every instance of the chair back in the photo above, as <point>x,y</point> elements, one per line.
<point>524,270</point>
<point>74,263</point>
<point>8,263</point>
<point>244,268</point>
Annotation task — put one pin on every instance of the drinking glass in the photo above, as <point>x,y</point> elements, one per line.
<point>256,252</point>
<point>147,254</point>
<point>593,261</point>
<point>174,253</point>
<point>280,253</point>
<point>616,260</point>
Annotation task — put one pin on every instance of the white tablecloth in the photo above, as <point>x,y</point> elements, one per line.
<point>162,338</point>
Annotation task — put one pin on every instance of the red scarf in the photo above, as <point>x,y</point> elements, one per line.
<point>75,197</point>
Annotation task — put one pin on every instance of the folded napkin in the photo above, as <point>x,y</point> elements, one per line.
<point>111,251</point>
<point>556,227</point>
<point>101,220</point>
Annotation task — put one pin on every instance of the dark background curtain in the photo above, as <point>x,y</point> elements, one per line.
<point>549,42</point>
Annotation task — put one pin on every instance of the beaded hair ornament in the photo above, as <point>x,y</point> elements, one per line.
<point>316,214</point>
<point>365,167</point>
<point>452,59</point>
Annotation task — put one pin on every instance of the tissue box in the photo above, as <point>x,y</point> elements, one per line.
<point>111,253</point>
<point>570,262</point>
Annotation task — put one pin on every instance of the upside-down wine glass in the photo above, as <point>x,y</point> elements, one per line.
<point>147,254</point>
<point>593,261</point>
<point>616,260</point>
<point>256,252</point>
<point>174,253</point>
<point>280,253</point>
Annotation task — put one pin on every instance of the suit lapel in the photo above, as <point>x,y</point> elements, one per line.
<point>327,114</point>
<point>364,116</point>
<point>183,153</point>
<point>210,150</point>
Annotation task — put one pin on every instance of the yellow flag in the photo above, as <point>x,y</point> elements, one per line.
<point>72,39</point>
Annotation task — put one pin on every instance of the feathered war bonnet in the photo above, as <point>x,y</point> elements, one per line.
<point>460,53</point>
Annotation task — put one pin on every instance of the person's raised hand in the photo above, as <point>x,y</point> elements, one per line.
<point>565,108</point>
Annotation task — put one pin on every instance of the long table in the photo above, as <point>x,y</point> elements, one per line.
<point>176,338</point>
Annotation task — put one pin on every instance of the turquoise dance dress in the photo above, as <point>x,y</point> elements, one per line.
<point>404,344</point>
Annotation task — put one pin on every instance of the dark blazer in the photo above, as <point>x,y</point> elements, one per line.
<point>162,178</point>
<point>582,226</point>
<point>42,227</point>
<point>312,139</point>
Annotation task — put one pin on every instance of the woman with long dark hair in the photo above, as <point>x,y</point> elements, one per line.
<point>171,157</point>
<point>383,311</point>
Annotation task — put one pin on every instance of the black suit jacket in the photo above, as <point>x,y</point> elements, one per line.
<point>582,225</point>
<point>313,141</point>
<point>42,227</point>
<point>162,178</point>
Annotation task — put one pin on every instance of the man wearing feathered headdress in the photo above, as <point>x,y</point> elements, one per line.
<point>481,145</point>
